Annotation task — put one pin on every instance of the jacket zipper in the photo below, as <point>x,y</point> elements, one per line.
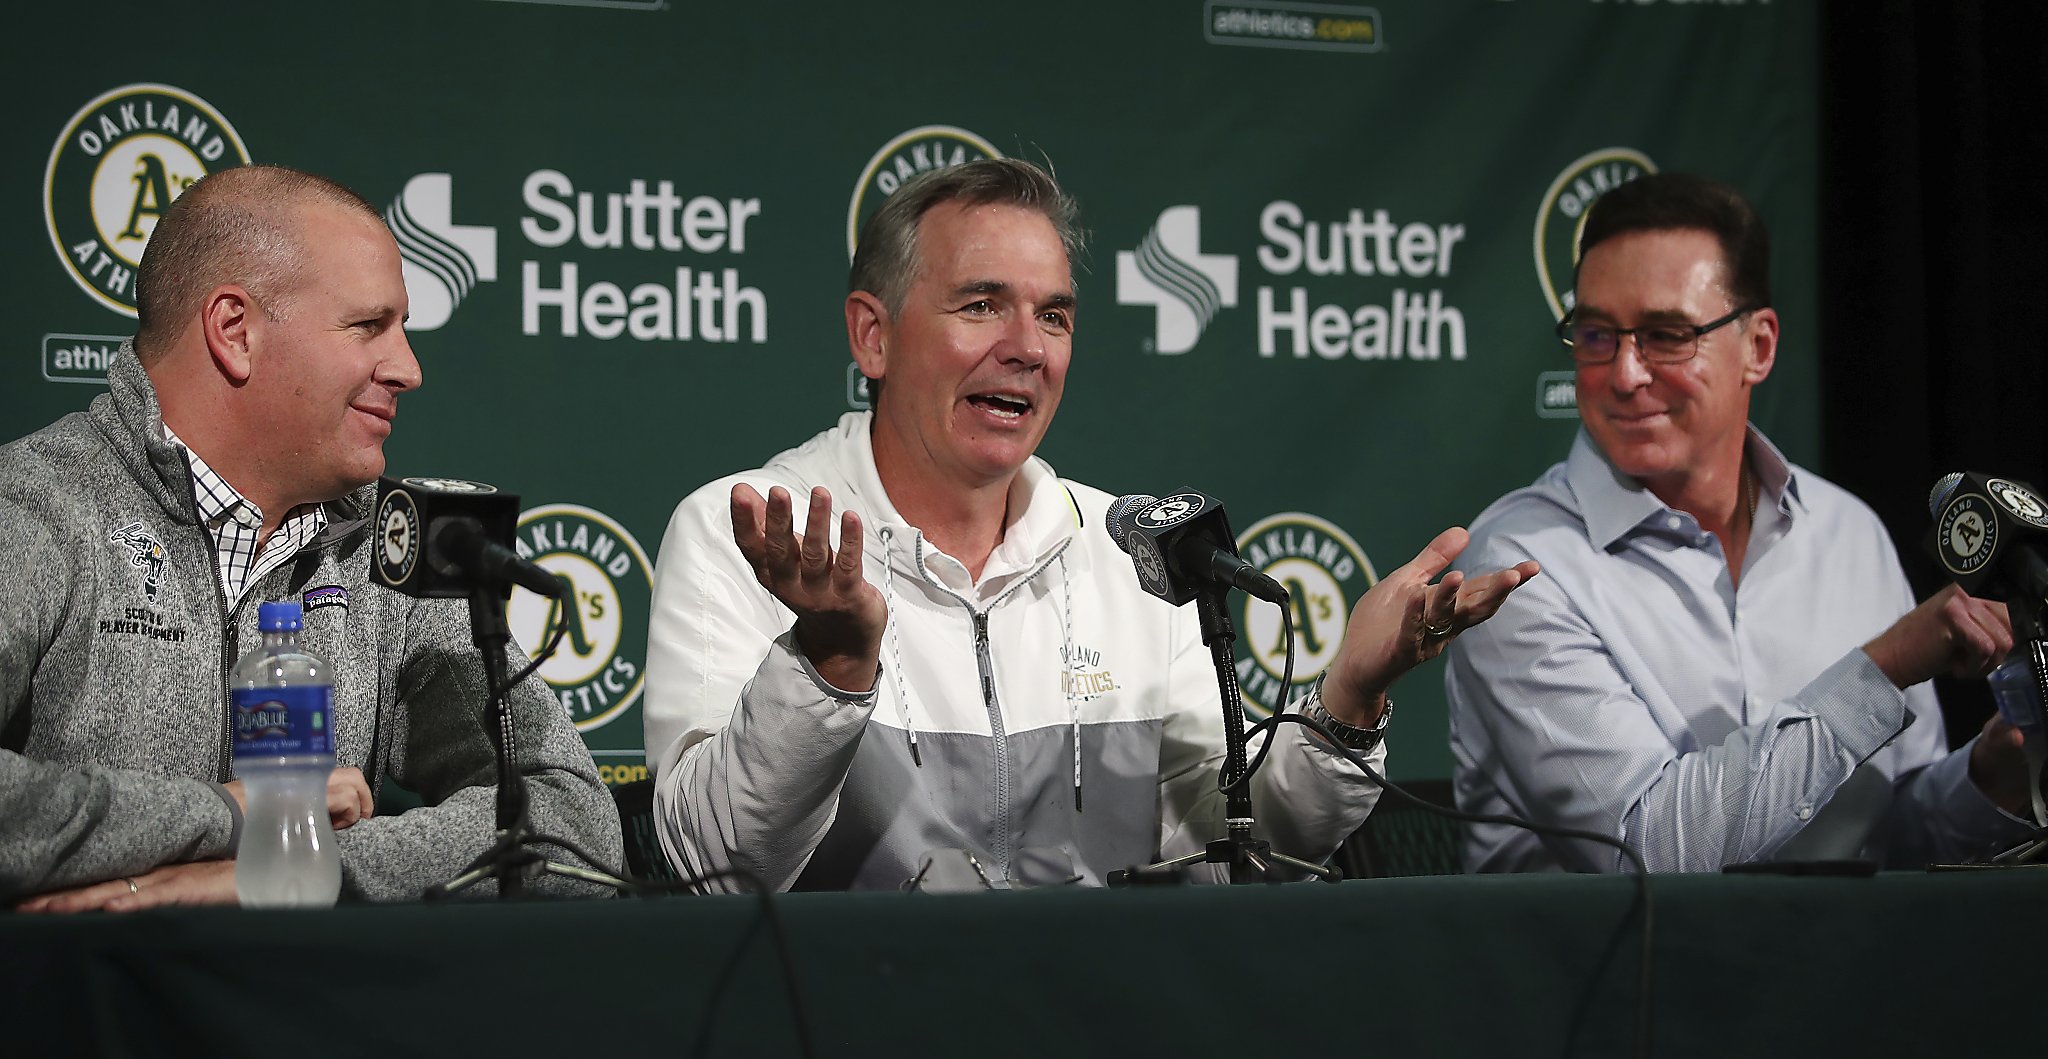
<point>229,639</point>
<point>985,665</point>
<point>999,735</point>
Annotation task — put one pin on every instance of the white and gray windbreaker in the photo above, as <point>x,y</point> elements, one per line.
<point>1052,709</point>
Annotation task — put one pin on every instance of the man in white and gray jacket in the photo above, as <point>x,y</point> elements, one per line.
<point>962,664</point>
<point>227,465</point>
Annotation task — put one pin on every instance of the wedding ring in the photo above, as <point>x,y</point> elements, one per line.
<point>1436,632</point>
<point>132,888</point>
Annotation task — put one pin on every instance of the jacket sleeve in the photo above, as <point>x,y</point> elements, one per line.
<point>438,746</point>
<point>750,746</point>
<point>1306,798</point>
<point>64,825</point>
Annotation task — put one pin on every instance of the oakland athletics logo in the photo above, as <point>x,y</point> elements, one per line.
<point>598,671</point>
<point>1562,216</point>
<point>1966,536</point>
<point>116,168</point>
<point>1324,572</point>
<point>924,148</point>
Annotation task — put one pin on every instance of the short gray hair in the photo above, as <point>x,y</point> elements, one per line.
<point>885,263</point>
<point>240,225</point>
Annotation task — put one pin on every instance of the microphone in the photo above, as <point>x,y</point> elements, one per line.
<point>1182,545</point>
<point>439,538</point>
<point>1988,534</point>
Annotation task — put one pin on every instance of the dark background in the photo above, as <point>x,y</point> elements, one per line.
<point>1932,264</point>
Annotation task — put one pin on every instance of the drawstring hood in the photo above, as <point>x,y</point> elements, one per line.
<point>888,534</point>
<point>1069,685</point>
<point>1067,679</point>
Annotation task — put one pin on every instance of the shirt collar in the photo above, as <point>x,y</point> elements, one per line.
<point>1042,517</point>
<point>1613,504</point>
<point>217,499</point>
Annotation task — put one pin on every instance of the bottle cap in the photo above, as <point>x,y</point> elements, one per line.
<point>279,617</point>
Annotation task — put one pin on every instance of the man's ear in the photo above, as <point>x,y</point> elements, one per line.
<point>226,322</point>
<point>1760,353</point>
<point>867,333</point>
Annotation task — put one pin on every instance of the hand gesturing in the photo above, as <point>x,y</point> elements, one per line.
<point>840,617</point>
<point>1406,620</point>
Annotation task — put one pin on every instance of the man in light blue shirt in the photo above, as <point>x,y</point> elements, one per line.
<point>1723,661</point>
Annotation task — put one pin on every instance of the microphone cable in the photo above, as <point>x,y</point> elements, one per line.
<point>1271,726</point>
<point>632,884</point>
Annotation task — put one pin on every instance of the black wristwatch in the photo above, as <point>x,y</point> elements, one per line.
<point>1359,739</point>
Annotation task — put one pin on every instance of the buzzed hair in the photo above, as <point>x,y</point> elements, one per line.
<point>240,226</point>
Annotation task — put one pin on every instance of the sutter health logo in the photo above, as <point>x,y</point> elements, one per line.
<point>601,665</point>
<point>642,262</point>
<point>1400,269</point>
<point>117,166</point>
<point>1324,572</point>
<point>443,260</point>
<point>1169,272</point>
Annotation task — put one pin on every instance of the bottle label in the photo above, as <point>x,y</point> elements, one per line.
<point>282,721</point>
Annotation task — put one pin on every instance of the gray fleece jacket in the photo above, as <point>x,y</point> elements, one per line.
<point>115,645</point>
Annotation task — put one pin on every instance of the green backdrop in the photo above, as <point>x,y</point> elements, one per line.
<point>1315,286</point>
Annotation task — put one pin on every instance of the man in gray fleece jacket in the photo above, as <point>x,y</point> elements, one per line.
<point>227,465</point>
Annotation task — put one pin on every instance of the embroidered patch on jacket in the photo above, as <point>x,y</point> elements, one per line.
<point>325,596</point>
<point>145,553</point>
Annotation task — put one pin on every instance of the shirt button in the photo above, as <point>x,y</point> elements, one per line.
<point>1671,522</point>
<point>1804,812</point>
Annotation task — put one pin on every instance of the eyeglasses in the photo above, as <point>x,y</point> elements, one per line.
<point>1666,343</point>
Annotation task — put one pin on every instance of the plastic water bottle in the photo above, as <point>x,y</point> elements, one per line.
<point>2018,697</point>
<point>282,699</point>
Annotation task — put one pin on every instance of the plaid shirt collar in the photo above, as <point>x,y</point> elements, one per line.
<point>236,523</point>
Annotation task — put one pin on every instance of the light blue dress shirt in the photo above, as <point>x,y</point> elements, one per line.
<point>1632,691</point>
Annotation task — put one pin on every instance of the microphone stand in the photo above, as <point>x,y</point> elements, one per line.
<point>1250,859</point>
<point>511,858</point>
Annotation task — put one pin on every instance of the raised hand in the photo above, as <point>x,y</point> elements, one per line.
<point>1406,620</point>
<point>840,617</point>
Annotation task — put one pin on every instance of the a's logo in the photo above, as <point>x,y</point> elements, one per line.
<point>144,554</point>
<point>920,150</point>
<point>2020,500</point>
<point>1562,216</point>
<point>444,261</point>
<point>398,537</point>
<point>598,671</point>
<point>1324,572</point>
<point>1151,568</point>
<point>1967,534</point>
<point>1171,511</point>
<point>1169,272</point>
<point>118,165</point>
